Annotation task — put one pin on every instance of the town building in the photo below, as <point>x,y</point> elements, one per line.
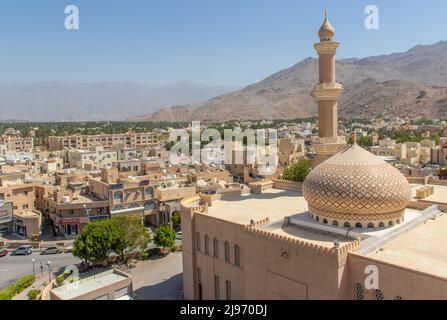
<point>130,139</point>
<point>14,143</point>
<point>112,284</point>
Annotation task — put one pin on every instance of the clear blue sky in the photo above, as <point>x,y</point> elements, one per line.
<point>213,42</point>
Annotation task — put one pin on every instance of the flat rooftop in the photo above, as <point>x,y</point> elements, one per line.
<point>276,205</point>
<point>273,203</point>
<point>421,248</point>
<point>89,284</point>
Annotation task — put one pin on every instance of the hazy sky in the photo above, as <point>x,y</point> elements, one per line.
<point>213,42</point>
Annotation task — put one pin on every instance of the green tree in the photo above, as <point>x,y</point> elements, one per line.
<point>176,219</point>
<point>129,235</point>
<point>297,171</point>
<point>94,244</point>
<point>164,237</point>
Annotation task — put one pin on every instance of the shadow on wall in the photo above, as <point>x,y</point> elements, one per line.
<point>166,290</point>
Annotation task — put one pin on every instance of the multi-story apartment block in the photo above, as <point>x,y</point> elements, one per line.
<point>130,139</point>
<point>17,143</point>
<point>96,157</point>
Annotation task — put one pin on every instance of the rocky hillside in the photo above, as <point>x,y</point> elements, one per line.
<point>412,83</point>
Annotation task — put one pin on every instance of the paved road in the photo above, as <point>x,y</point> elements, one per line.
<point>14,267</point>
<point>159,279</point>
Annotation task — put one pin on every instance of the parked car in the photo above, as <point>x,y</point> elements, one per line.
<point>53,250</point>
<point>69,249</point>
<point>22,250</point>
<point>178,235</point>
<point>3,252</point>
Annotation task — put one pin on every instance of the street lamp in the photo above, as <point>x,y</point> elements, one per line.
<point>34,269</point>
<point>49,270</point>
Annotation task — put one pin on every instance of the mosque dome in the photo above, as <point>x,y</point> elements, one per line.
<point>327,31</point>
<point>355,188</point>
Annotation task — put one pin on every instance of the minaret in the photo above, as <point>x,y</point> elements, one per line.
<point>327,92</point>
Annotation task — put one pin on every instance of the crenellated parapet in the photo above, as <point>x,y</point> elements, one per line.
<point>302,244</point>
<point>193,205</point>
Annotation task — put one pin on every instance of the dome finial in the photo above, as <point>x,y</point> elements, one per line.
<point>327,31</point>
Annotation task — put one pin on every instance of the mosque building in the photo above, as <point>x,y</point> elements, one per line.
<point>355,229</point>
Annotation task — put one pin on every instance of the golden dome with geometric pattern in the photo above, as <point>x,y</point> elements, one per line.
<point>355,188</point>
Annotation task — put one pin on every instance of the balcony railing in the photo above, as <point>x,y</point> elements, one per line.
<point>328,85</point>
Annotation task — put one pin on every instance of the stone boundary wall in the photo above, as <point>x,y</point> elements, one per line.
<point>260,186</point>
<point>426,180</point>
<point>287,185</point>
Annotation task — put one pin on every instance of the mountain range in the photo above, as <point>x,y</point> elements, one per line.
<point>412,84</point>
<point>64,101</point>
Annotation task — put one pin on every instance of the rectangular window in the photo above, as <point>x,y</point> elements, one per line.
<point>228,289</point>
<point>216,247</point>
<point>122,292</point>
<point>216,288</point>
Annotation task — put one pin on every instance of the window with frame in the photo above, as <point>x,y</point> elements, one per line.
<point>216,247</point>
<point>237,255</point>
<point>228,289</point>
<point>216,287</point>
<point>207,244</point>
<point>198,242</point>
<point>227,251</point>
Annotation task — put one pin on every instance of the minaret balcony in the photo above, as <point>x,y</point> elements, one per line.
<point>327,91</point>
<point>326,47</point>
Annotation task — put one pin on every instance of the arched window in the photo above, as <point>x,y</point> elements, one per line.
<point>149,192</point>
<point>390,224</point>
<point>216,247</point>
<point>397,221</point>
<point>227,251</point>
<point>347,225</point>
<point>325,221</point>
<point>198,242</point>
<point>318,218</point>
<point>358,291</point>
<point>378,294</point>
<point>381,225</point>
<point>237,255</point>
<point>370,225</point>
<point>118,197</point>
<point>335,223</point>
<point>207,244</point>
<point>358,225</point>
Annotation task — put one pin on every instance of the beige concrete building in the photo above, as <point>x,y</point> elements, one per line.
<point>290,150</point>
<point>130,139</point>
<point>94,158</point>
<point>108,285</point>
<point>17,143</point>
